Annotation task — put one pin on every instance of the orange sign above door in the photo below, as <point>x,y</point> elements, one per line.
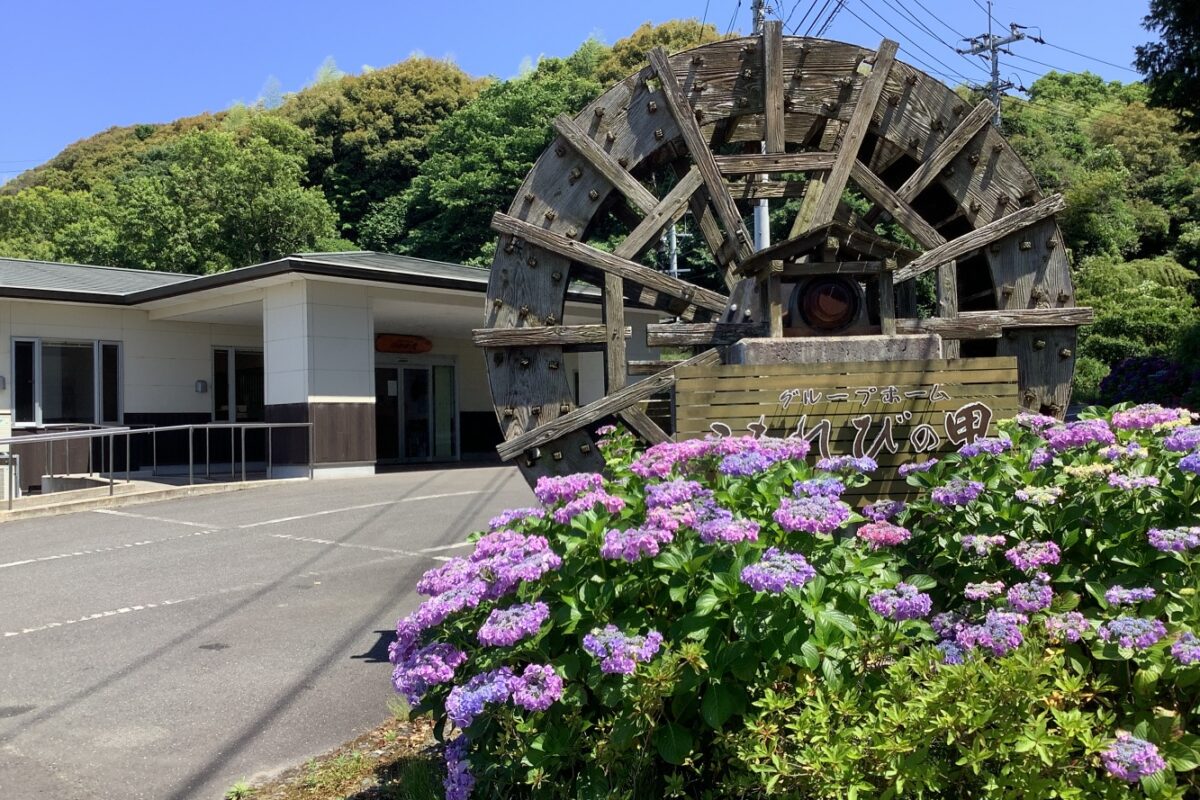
<point>401,343</point>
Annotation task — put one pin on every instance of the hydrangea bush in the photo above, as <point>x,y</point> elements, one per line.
<point>714,618</point>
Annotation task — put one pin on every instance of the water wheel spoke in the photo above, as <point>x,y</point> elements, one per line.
<point>580,337</point>
<point>605,164</point>
<point>665,213</point>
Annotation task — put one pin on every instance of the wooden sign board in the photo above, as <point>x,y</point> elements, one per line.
<point>893,411</point>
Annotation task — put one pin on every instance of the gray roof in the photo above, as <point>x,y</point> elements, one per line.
<point>404,265</point>
<point>81,278</point>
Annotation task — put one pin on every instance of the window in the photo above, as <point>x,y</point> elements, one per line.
<point>244,392</point>
<point>66,382</point>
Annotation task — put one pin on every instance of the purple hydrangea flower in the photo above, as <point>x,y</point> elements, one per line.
<point>883,534</point>
<point>1147,416</point>
<point>620,653</point>
<point>1068,627</point>
<point>508,559</point>
<point>1131,482</point>
<point>1190,463</point>
<point>981,545</point>
<point>507,626</point>
<point>883,510</point>
<point>428,666</point>
<point>467,702</point>
<point>1174,540</point>
<point>586,502</point>
<point>1120,596</point>
<point>514,515</point>
<point>553,489</point>
<point>1075,435</point>
<point>999,633</point>
<point>1039,495</point>
<point>958,492</point>
<point>983,590</point>
<point>1186,649</point>
<point>1135,632</point>
<point>1131,759</point>
<point>1183,440</point>
<point>459,781</point>
<point>728,530</point>
<point>992,446</point>
<point>917,466</point>
<point>634,544</point>
<point>605,430</point>
<point>1030,597</point>
<point>1029,556</point>
<point>951,652</point>
<point>746,463</point>
<point>901,603</point>
<point>1132,451</point>
<point>847,464</point>
<point>451,575</point>
<point>674,493</point>
<point>778,570</point>
<point>818,514</point>
<point>1035,422</point>
<point>1039,458</point>
<point>537,687</point>
<point>819,487</point>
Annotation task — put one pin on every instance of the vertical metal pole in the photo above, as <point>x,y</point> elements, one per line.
<point>128,436</point>
<point>154,452</point>
<point>243,454</point>
<point>191,453</point>
<point>312,452</point>
<point>68,444</point>
<point>207,453</point>
<point>49,458</point>
<point>111,447</point>
<point>232,452</point>
<point>270,440</point>
<point>12,478</point>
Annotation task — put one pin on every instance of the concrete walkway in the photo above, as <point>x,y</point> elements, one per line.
<point>169,649</point>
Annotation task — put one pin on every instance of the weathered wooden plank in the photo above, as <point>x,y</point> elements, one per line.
<point>887,304</point>
<point>946,151</point>
<point>607,262</point>
<point>606,406</point>
<point>770,163</point>
<point>775,306</point>
<point>865,244</point>
<point>722,249</point>
<point>663,214</point>
<point>750,189</point>
<point>648,429</point>
<point>727,383</point>
<point>806,268</point>
<point>856,131</point>
<point>614,322</point>
<point>714,334</point>
<point>605,164</point>
<point>991,324</point>
<point>993,231</point>
<point>558,335</point>
<point>649,367</point>
<point>726,209</point>
<point>880,193</point>
<point>773,84</point>
<point>751,402</point>
<point>856,367</point>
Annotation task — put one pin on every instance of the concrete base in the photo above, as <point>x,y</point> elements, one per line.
<point>67,483</point>
<point>833,349</point>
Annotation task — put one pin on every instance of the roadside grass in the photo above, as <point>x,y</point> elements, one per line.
<point>392,762</point>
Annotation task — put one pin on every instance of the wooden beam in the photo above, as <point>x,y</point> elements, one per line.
<point>887,304</point>
<point>807,268</point>
<point>546,336</point>
<point>754,190</point>
<point>648,367</point>
<point>773,163</point>
<point>773,86</point>
<point>856,131</point>
<point>706,220</point>
<point>635,418</point>
<point>993,231</point>
<point>605,164</point>
<point>615,375</point>
<point>663,214</point>
<point>950,147</point>
<point>607,262</point>
<point>991,324</point>
<point>606,406</point>
<point>713,334</point>
<point>881,194</point>
<point>727,211</point>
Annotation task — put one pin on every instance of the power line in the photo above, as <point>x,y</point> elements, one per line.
<point>1044,64</point>
<point>817,18</point>
<point>812,7</point>
<point>828,22</point>
<point>704,19</point>
<point>791,13</point>
<point>940,20</point>
<point>930,69</point>
<point>1085,55</point>
<point>901,34</point>
<point>916,21</point>
<point>733,18</point>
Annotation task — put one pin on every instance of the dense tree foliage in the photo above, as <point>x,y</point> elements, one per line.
<point>1172,64</point>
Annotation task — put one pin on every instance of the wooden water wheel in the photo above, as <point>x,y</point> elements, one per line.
<point>721,117</point>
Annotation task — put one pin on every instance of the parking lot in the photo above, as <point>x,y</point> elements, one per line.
<point>167,650</point>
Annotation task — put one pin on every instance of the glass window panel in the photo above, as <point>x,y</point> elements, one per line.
<point>24,382</point>
<point>68,382</point>
<point>443,412</point>
<point>248,387</point>
<point>220,387</point>
<point>110,383</point>
<point>416,413</point>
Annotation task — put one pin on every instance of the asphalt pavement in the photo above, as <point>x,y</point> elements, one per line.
<point>167,650</point>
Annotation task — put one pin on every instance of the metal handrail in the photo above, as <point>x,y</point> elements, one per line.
<point>110,433</point>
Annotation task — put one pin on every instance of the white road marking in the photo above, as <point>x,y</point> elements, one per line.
<point>312,540</point>
<point>357,508</point>
<point>110,549</point>
<point>445,547</point>
<point>111,512</point>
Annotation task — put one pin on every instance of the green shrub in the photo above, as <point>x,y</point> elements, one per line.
<point>1088,374</point>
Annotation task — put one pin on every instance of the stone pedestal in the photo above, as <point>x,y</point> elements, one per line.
<point>833,349</point>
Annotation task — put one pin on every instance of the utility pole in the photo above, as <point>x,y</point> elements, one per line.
<point>762,210</point>
<point>995,45</point>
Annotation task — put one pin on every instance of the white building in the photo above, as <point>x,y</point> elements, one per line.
<point>374,349</point>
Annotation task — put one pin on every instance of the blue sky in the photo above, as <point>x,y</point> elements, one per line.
<point>72,68</point>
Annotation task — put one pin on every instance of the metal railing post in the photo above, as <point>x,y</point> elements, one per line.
<point>111,469</point>
<point>128,436</point>
<point>270,440</point>
<point>312,452</point>
<point>12,479</point>
<point>207,451</point>
<point>49,458</point>
<point>191,454</point>
<point>154,453</point>
<point>243,455</point>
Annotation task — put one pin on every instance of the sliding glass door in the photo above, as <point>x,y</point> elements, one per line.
<point>416,413</point>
